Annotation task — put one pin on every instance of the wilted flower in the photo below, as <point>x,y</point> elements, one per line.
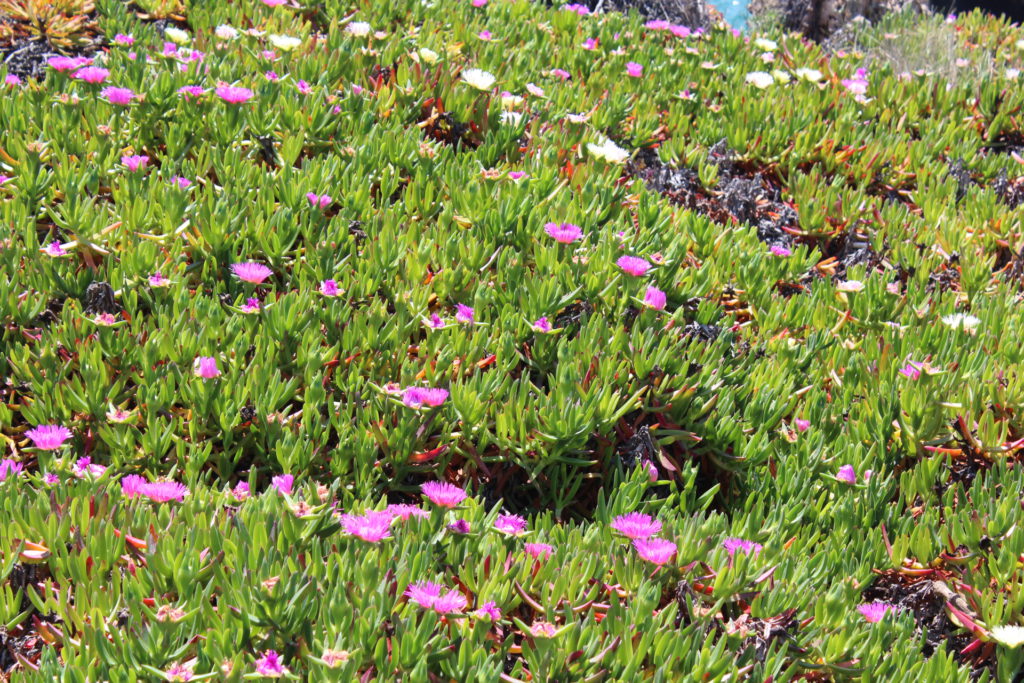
<point>91,74</point>
<point>655,298</point>
<point>459,526</point>
<point>565,233</point>
<point>283,483</point>
<point>847,475</point>
<point>634,70</point>
<point>233,94</point>
<point>633,265</point>
<point>241,491</point>
<point>48,437</point>
<point>540,551</point>
<point>874,611</point>
<point>850,286</point>
<point>119,96</point>
<point>135,161</point>
<point>226,32</point>
<point>481,80</point>
<point>205,367</point>
<point>417,397</point>
<point>270,665</point>
<point>9,468</point>
<point>636,525</point>
<point>442,493</point>
<point>251,271</point>
<point>810,75</point>
<point>911,370</point>
<point>655,550</point>
<point>514,525</point>
<point>733,544</point>
<point>105,319</point>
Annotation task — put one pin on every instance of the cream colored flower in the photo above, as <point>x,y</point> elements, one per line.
<point>177,35</point>
<point>765,44</point>
<point>284,43</point>
<point>810,75</point>
<point>760,79</point>
<point>428,56</point>
<point>479,79</point>
<point>1010,636</point>
<point>358,28</point>
<point>608,151</point>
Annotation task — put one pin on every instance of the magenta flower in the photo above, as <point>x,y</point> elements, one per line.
<point>91,74</point>
<point>304,87</point>
<point>655,550</point>
<point>55,249</point>
<point>12,80</point>
<point>50,479</point>
<point>802,425</point>
<point>371,527</point>
<point>478,3</point>
<point>319,200</point>
<point>251,271</point>
<point>205,367</point>
<point>452,602</point>
<point>271,76</point>
<point>652,470</point>
<point>417,397</point>
<point>459,526</point>
<point>579,9</point>
<point>542,325</point>
<point>847,475</point>
<point>191,91</point>
<point>590,44</point>
<point>170,49</point>
<point>780,250</point>
<point>274,3</point>
<point>251,305</point>
<point>48,437</point>
<point>484,35</point>
<point>434,322</point>
<point>634,70</point>
<point>911,370</point>
<point>233,94</point>
<point>180,183</point>
<point>657,25</point>
<point>119,96</point>
<point>633,265</point>
<point>241,491</point>
<point>464,314</point>
<point>122,39</point>
<point>561,73</point>
<point>540,551</point>
<point>733,544</point>
<point>357,89</point>
<point>283,483</point>
<point>655,298</point>
<point>516,175</point>
<point>564,233</point>
<point>68,63</point>
<point>9,468</point>
<point>405,511</point>
<point>424,593</point>
<point>270,665</point>
<point>329,288</point>
<point>442,493</point>
<point>5,178</point>
<point>158,491</point>
<point>873,612</point>
<point>135,161</point>
<point>86,467</point>
<point>513,525</point>
<point>488,610</point>
<point>636,525</point>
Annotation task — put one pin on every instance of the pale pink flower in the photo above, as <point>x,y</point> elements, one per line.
<point>270,665</point>
<point>911,370</point>
<point>241,491</point>
<point>283,483</point>
<point>540,551</point>
<point>874,612</point>
<point>513,525</point>
<point>657,25</point>
<point>118,96</point>
<point>634,70</point>
<point>578,8</point>
<point>434,322</point>
<point>561,73</point>
<point>274,3</point>
<point>105,319</point>
<point>329,288</point>
<point>158,280</point>
<point>269,55</point>
<point>234,94</point>
<point>636,525</point>
<point>205,367</point>
<point>652,470</point>
<point>633,265</point>
<point>655,550</point>
<point>417,397</point>
<point>564,233</point>
<point>12,80</point>
<point>271,76</point>
<point>655,298</point>
<point>178,672</point>
<point>51,479</point>
<point>48,437</point>
<point>543,629</point>
<point>484,35</point>
<point>357,89</point>
<point>405,511</point>
<point>442,493</point>
<point>335,658</point>
<point>847,475</point>
<point>250,271</point>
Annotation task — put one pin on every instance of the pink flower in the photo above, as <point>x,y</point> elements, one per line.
<point>655,550</point>
<point>55,249</point>
<point>177,672</point>
<point>873,612</point>
<point>269,664</point>
<point>269,55</point>
<point>48,437</point>
<point>636,525</point>
<point>542,325</point>
<point>424,593</point>
<point>561,73</point>
<point>452,602</point>
<point>241,491</point>
<point>119,96</point>
<point>271,76</point>
<point>652,470</point>
<point>85,467</point>
<point>564,233</point>
<point>251,271</point>
<point>191,91</point>
<point>657,25</point>
<point>158,280</point>
<point>442,493</point>
<point>488,610</point>
<point>634,70</point>
<point>680,31</point>
<point>67,63</point>
<point>105,319</point>
<point>857,86</point>
<point>655,298</point>
<point>513,525</point>
<point>357,89</point>
<point>847,475</point>
<point>9,468</point>
<point>484,35</point>
<point>417,397</point>
<point>91,74</point>
<point>180,183</point>
<point>516,175</point>
<point>251,305</point>
<point>205,367</point>
<point>802,425</point>
<point>459,526</point>
<point>478,3</point>
<point>405,511</point>
<point>12,80</point>
<point>434,322</point>
<point>540,551</point>
<point>590,44</point>
<point>464,314</point>
<point>322,201</point>
<point>371,527</point>
<point>633,265</point>
<point>780,250</point>
<point>304,87</point>
<point>733,544</point>
<point>274,3</point>
<point>158,491</point>
<point>911,370</point>
<point>329,288</point>
<point>579,9</point>
<point>50,479</point>
<point>135,161</point>
<point>283,483</point>
<point>234,95</point>
<point>543,629</point>
<point>122,39</point>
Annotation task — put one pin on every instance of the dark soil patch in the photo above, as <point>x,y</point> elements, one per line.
<point>26,57</point>
<point>692,13</point>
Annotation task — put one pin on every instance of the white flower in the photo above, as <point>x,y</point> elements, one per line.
<point>608,150</point>
<point>428,55</point>
<point>1012,74</point>
<point>850,286</point>
<point>759,79</point>
<point>481,80</point>
<point>968,322</point>
<point>358,28</point>
<point>1020,44</point>
<point>765,44</point>
<point>177,35</point>
<point>1010,636</point>
<point>284,43</point>
<point>508,101</point>
<point>811,75</point>
<point>511,118</point>
<point>226,32</point>
<point>781,76</point>
<point>577,118</point>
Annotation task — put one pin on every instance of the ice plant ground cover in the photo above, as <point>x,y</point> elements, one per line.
<point>567,374</point>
